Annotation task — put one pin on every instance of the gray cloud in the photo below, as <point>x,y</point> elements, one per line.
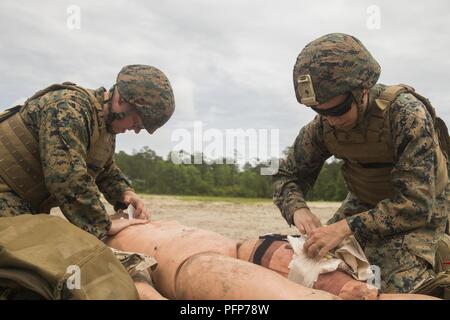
<point>230,62</point>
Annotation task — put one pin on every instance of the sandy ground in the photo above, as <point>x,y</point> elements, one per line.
<point>235,219</point>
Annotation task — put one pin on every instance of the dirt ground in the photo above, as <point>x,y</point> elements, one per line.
<point>235,219</point>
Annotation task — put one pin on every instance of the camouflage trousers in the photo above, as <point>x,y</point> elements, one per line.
<point>401,270</point>
<point>12,205</point>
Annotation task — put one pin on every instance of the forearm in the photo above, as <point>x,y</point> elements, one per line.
<point>112,183</point>
<point>86,212</point>
<point>288,198</point>
<point>299,171</point>
<point>291,184</point>
<point>77,196</point>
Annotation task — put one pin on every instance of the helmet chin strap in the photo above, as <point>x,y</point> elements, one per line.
<point>111,115</point>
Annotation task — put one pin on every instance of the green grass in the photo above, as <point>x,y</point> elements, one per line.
<point>238,200</point>
<point>224,199</point>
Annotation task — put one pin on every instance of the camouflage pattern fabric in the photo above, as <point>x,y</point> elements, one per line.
<point>12,205</point>
<point>149,90</point>
<point>337,63</point>
<point>408,225</point>
<point>401,269</point>
<point>62,122</point>
<point>138,265</point>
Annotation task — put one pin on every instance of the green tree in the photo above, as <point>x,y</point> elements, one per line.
<point>150,173</point>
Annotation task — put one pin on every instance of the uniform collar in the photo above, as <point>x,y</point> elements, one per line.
<point>99,94</point>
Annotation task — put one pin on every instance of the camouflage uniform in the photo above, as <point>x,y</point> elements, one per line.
<point>399,234</point>
<point>61,122</point>
<point>58,150</point>
<point>64,139</point>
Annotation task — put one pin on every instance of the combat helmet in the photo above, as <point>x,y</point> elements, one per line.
<point>332,65</point>
<point>149,91</point>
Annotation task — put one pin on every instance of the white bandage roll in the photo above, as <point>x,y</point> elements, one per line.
<point>130,211</point>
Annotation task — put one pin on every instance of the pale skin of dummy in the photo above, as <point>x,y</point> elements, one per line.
<point>199,264</point>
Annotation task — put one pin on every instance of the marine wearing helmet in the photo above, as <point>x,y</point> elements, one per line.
<point>394,163</point>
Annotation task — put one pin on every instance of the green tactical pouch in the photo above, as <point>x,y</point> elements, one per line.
<point>46,256</point>
<point>439,286</point>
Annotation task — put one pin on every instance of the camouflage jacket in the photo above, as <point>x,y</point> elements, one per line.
<point>61,122</point>
<point>415,210</point>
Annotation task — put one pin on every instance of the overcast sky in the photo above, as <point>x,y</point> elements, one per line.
<point>230,62</point>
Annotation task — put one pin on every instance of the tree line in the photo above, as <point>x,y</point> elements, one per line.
<point>150,173</point>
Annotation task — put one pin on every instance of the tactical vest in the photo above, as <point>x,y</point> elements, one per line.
<point>20,164</point>
<point>368,152</point>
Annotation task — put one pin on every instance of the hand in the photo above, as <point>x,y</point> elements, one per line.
<point>324,239</point>
<point>306,221</point>
<point>118,225</point>
<point>141,212</point>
